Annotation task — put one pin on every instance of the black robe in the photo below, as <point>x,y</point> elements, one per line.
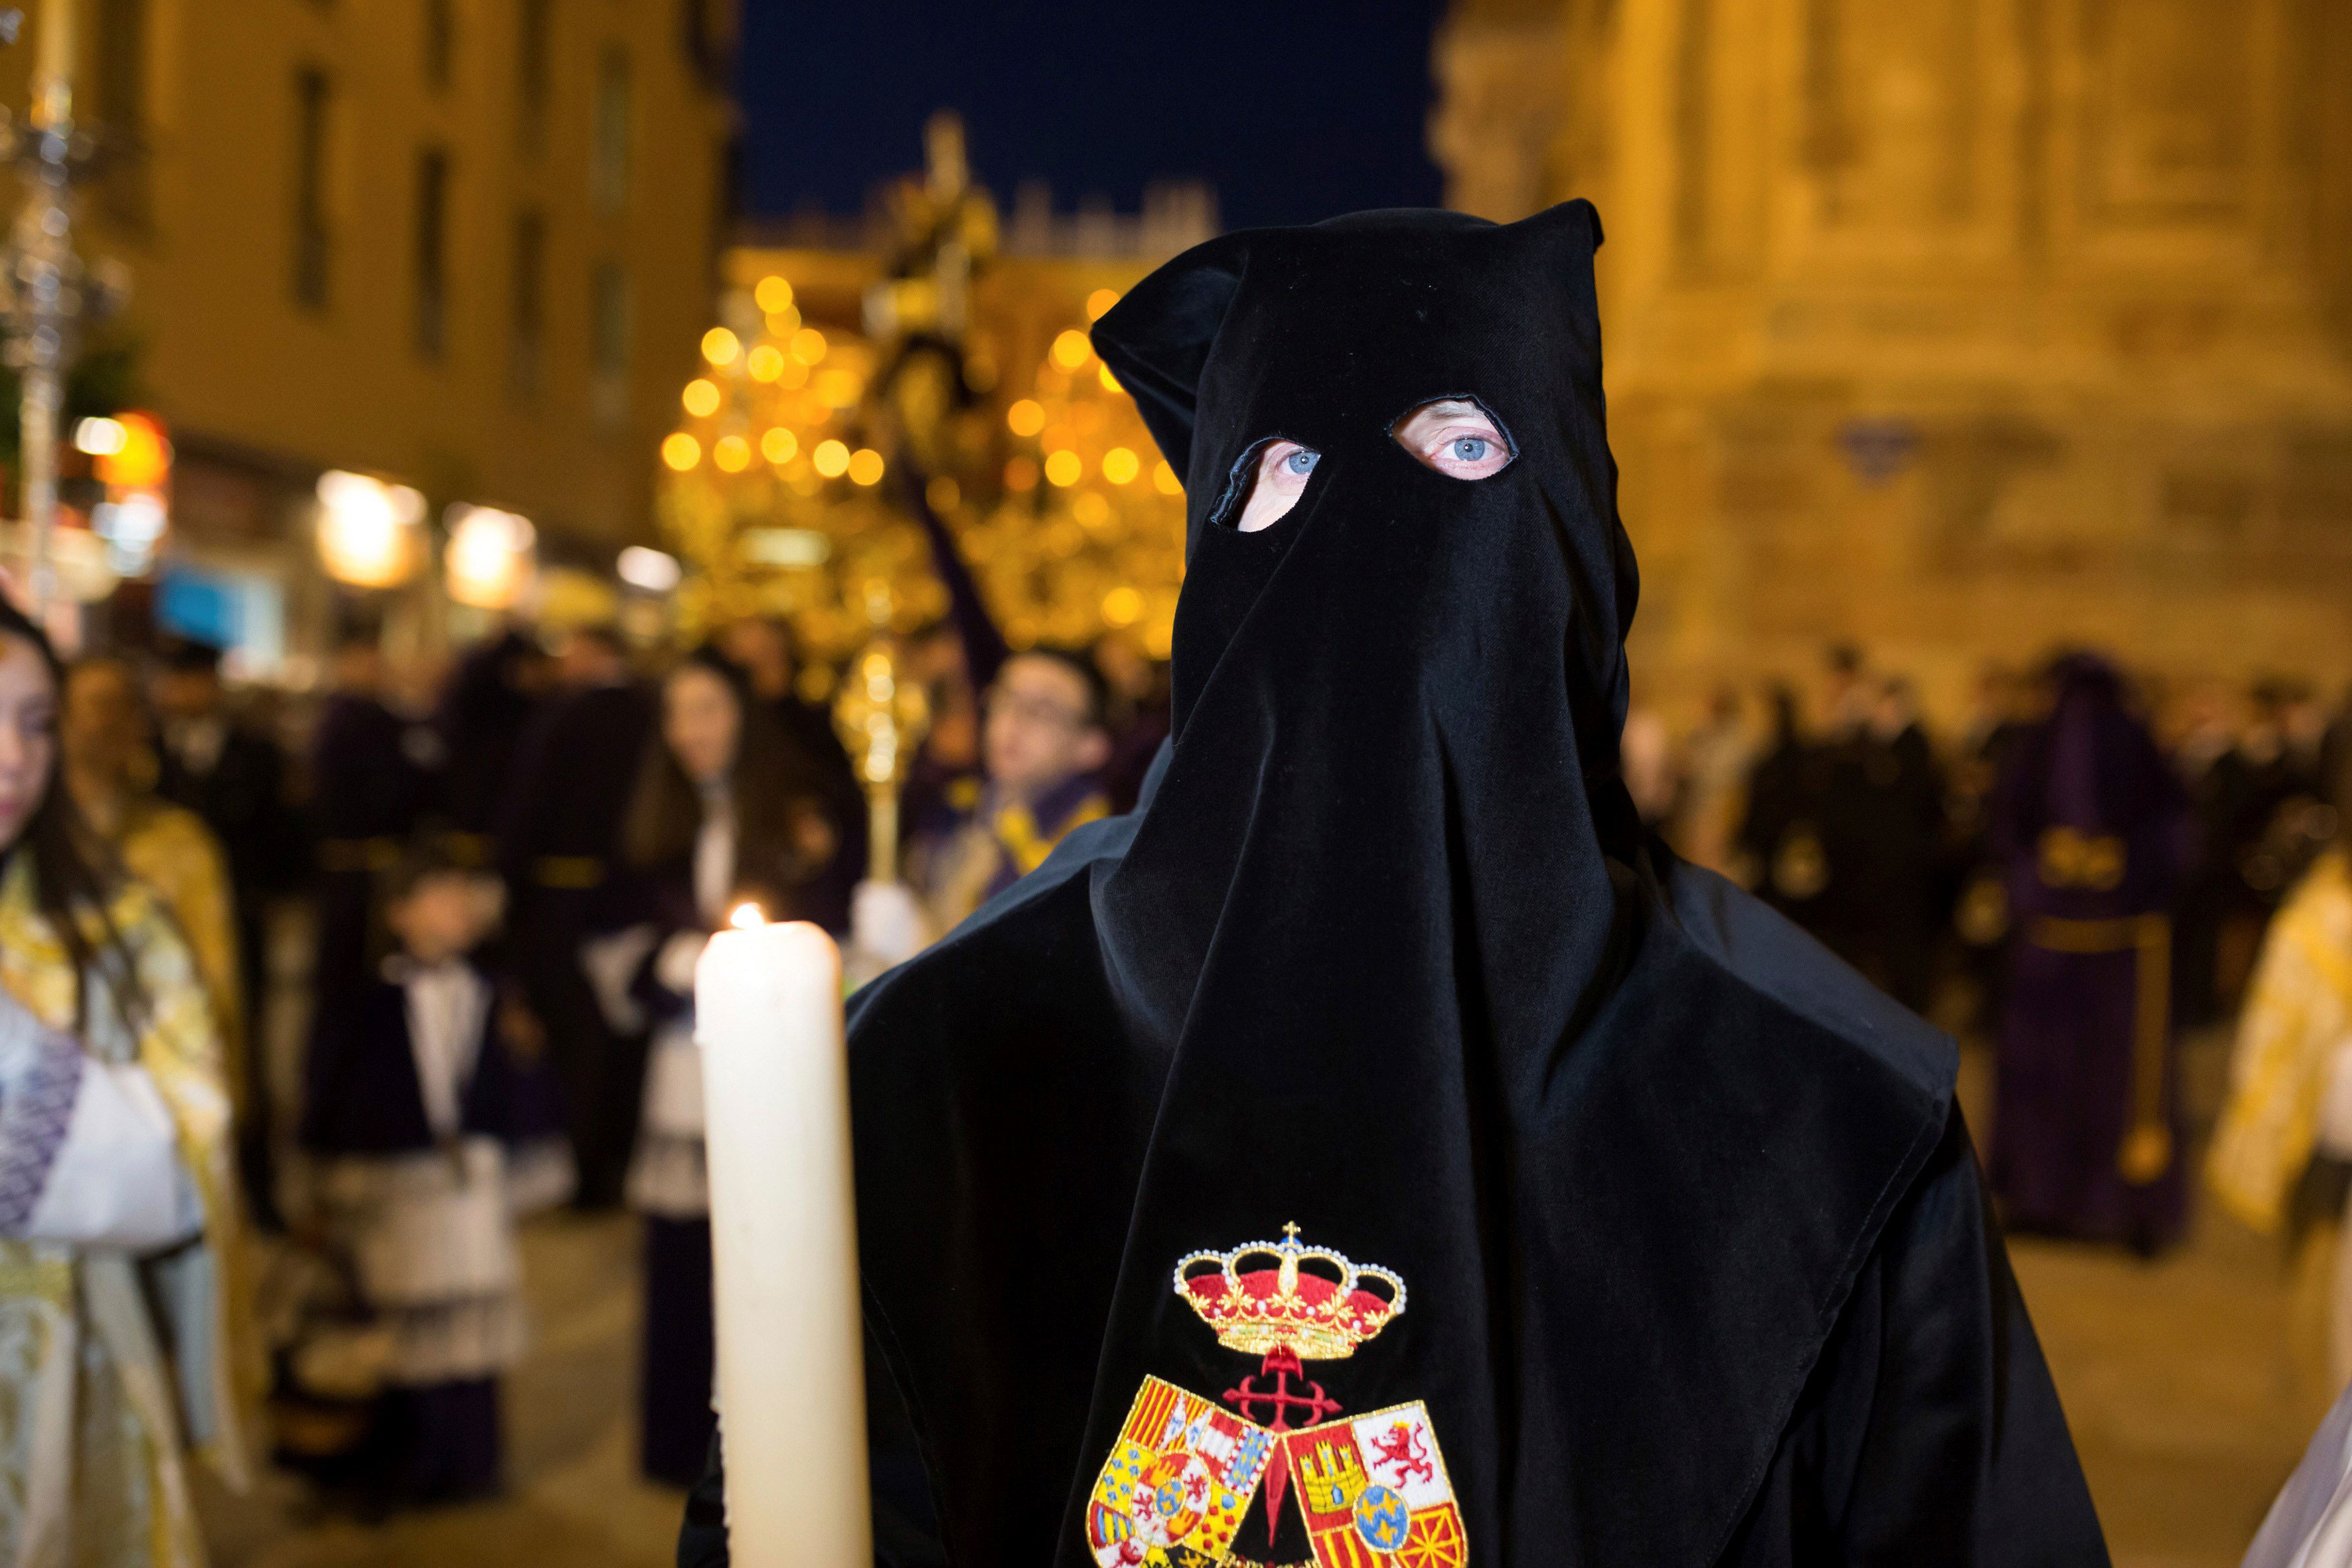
<point>371,783</point>
<point>1682,1257</point>
<point>557,839</point>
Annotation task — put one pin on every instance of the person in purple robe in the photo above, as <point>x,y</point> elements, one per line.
<point>2091,826</point>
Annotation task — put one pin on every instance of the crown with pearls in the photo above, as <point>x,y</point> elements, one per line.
<point>1265,1297</point>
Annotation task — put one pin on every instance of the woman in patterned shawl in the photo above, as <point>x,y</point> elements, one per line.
<point>118,1229</point>
<point>2283,1150</point>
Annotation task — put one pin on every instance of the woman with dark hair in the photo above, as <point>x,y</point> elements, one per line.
<point>118,1227</point>
<point>724,812</point>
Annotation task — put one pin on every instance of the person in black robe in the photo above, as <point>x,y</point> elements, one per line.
<point>483,713</point>
<point>373,780</point>
<point>1779,842</point>
<point>234,776</point>
<point>559,831</point>
<point>1895,864</point>
<point>1375,1148</point>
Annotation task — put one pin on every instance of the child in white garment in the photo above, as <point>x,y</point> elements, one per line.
<point>435,1130</point>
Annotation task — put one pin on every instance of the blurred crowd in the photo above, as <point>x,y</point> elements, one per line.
<point>468,897</point>
<point>467,894</point>
<point>1841,806</point>
<point>2091,864</point>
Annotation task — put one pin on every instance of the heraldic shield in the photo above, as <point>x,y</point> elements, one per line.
<point>1375,1493</point>
<point>1178,1481</point>
<point>1373,1490</point>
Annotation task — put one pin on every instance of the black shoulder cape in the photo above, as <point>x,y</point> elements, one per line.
<point>1684,1227</point>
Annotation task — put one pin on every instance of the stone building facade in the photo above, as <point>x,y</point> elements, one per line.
<point>1959,329</point>
<point>466,245</point>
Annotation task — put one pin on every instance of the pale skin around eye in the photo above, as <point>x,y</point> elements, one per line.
<point>1275,488</point>
<point>1452,434</point>
<point>1455,436</point>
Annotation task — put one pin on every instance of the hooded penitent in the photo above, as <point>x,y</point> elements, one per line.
<point>1630,1228</point>
<point>2094,826</point>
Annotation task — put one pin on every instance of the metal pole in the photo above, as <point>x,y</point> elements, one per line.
<point>44,283</point>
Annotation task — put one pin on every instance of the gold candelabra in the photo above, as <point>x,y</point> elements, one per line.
<point>881,717</point>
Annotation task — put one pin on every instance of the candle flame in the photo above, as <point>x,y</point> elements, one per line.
<point>746,916</point>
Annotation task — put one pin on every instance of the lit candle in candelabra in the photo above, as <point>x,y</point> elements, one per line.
<point>881,716</point>
<point>783,1235</point>
<point>53,66</point>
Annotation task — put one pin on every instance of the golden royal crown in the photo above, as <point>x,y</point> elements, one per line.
<point>1265,1297</point>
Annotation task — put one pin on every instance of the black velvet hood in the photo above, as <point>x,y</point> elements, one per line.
<point>1382,955</point>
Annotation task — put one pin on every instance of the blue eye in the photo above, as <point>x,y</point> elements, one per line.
<point>1470,449</point>
<point>1301,461</point>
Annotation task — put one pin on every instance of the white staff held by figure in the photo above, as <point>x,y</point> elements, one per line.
<point>783,1230</point>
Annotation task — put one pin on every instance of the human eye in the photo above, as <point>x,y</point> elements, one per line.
<point>1275,481</point>
<point>1455,436</point>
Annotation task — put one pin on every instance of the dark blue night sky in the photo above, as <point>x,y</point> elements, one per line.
<point>1293,112</point>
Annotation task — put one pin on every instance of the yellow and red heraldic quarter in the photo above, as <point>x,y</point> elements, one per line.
<point>1178,1481</point>
<point>1373,1490</point>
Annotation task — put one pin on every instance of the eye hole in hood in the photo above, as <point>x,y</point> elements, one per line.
<point>1267,484</point>
<point>1456,436</point>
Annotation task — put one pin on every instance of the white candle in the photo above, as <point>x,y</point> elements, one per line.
<point>784,1236</point>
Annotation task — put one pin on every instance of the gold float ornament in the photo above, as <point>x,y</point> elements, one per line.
<point>836,383</point>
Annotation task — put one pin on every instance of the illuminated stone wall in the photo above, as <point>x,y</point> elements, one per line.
<point>1959,328</point>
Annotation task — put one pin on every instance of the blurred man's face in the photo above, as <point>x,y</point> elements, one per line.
<point>758,646</point>
<point>188,693</point>
<point>1038,731</point>
<point>100,723</point>
<point>590,661</point>
<point>359,669</point>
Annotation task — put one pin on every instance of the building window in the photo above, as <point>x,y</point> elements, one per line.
<point>440,43</point>
<point>532,48</point>
<point>118,98</point>
<point>615,99</point>
<point>526,347</point>
<point>609,386</point>
<point>313,243</point>
<point>432,252</point>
